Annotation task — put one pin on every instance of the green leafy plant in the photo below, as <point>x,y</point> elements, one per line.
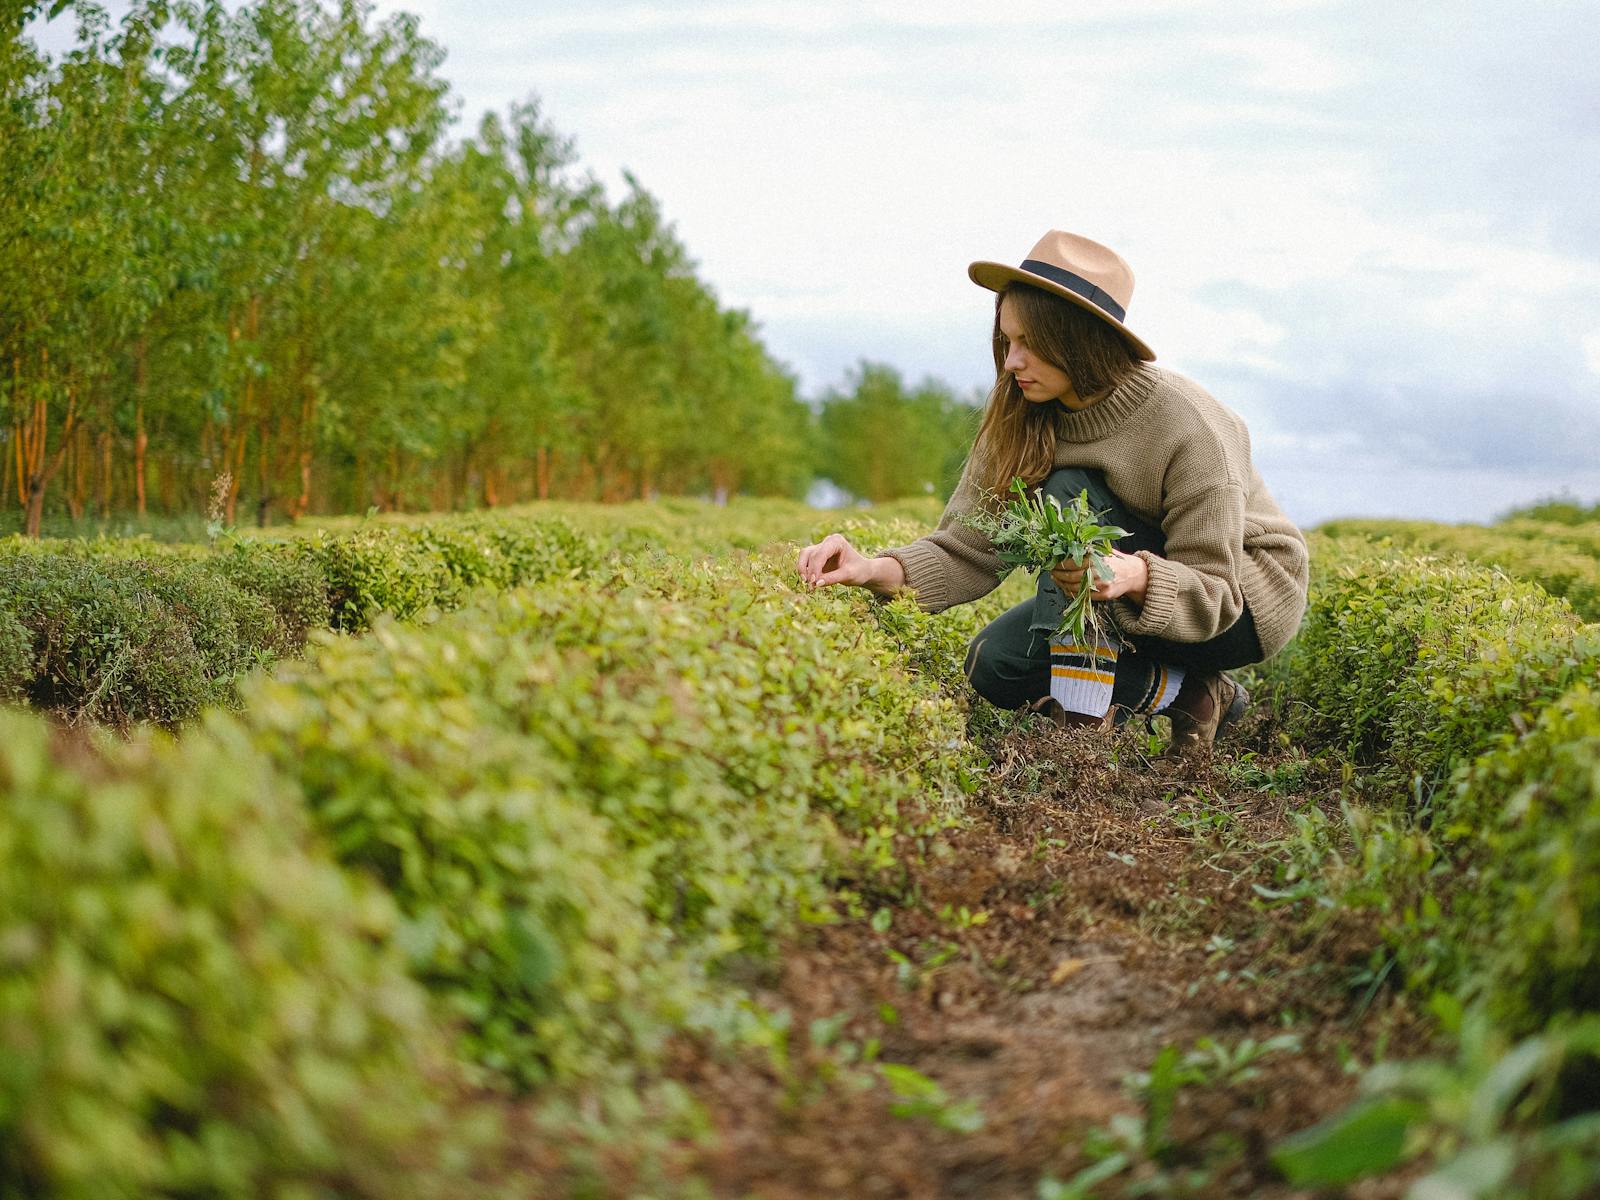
<point>1036,533</point>
<point>1493,1120</point>
<point>922,1097</point>
<point>1127,1142</point>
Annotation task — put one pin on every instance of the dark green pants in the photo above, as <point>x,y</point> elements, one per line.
<point>1009,661</point>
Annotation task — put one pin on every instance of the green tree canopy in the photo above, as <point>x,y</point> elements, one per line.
<point>881,440</point>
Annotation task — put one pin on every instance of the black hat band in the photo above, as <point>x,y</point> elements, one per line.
<point>1076,284</point>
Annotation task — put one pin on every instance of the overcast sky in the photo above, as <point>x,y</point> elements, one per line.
<point>1370,228</point>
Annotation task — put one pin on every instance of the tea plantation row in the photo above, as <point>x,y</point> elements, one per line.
<point>119,631</point>
<point>128,631</point>
<point>1563,558</point>
<point>514,848</point>
<point>1467,706</point>
<point>520,846</point>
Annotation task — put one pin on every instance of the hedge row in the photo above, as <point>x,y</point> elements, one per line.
<point>194,1000</point>
<point>1466,700</point>
<point>586,795</point>
<point>121,632</point>
<point>1562,559</point>
<point>1527,818</point>
<point>1467,697</point>
<point>559,814</point>
<point>1415,664</point>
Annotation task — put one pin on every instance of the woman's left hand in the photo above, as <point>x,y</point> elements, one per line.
<point>1129,578</point>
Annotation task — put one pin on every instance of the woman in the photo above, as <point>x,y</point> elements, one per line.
<point>1211,576</point>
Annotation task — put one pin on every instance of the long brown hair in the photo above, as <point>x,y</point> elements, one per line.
<point>1018,436</point>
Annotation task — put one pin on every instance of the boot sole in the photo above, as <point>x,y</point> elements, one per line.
<point>1236,709</point>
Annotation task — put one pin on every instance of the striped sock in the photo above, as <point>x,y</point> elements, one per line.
<point>1161,689</point>
<point>1081,674</point>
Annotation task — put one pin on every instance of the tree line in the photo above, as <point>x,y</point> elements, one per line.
<point>243,259</point>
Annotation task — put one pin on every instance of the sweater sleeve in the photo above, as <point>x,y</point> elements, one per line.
<point>1194,592</point>
<point>955,564</point>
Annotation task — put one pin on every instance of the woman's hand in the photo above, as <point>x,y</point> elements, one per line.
<point>835,560</point>
<point>1130,575</point>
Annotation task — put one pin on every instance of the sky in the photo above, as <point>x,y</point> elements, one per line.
<point>1369,228</point>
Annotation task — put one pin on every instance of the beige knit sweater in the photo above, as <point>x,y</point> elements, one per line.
<point>1177,457</point>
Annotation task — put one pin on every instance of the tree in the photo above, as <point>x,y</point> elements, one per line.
<point>881,441</point>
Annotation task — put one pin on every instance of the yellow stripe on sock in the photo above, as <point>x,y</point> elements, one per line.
<point>1075,673</point>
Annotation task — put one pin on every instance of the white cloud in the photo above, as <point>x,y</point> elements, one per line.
<point>1591,351</point>
<point>1282,63</point>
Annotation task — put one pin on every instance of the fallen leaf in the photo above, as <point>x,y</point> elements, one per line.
<point>1065,970</point>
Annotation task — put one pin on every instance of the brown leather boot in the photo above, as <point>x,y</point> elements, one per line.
<point>1051,707</point>
<point>1205,706</point>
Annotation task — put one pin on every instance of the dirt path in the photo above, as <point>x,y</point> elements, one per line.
<point>1121,918</point>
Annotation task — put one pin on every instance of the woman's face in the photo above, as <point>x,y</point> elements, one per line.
<point>1040,381</point>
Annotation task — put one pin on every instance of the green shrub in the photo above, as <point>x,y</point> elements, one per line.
<point>403,569</point>
<point>105,647</point>
<point>233,630</point>
<point>1414,665</point>
<point>520,910</point>
<point>1527,817</point>
<point>1476,846</point>
<point>126,640</point>
<point>1557,512</point>
<point>1564,560</point>
<point>194,1001</point>
<point>135,631</point>
<point>288,579</point>
<point>651,768</point>
<point>16,654</point>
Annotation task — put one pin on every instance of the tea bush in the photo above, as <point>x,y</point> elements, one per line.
<point>1562,559</point>
<point>1559,511</point>
<point>134,631</point>
<point>16,654</point>
<point>1526,816</point>
<point>1413,665</point>
<point>194,999</point>
<point>292,584</point>
<point>1464,698</point>
<point>520,909</point>
<point>107,644</point>
<point>587,795</point>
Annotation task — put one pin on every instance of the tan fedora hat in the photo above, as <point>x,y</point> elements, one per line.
<point>1092,276</point>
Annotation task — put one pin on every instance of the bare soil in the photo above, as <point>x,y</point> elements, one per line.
<point>1119,916</point>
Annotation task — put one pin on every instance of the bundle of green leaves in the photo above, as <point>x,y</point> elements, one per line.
<point>1037,532</point>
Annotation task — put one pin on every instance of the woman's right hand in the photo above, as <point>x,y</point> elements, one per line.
<point>835,560</point>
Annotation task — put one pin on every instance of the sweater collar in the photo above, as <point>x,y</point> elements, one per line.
<point>1108,414</point>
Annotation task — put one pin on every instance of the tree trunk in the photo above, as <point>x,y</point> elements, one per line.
<point>396,474</point>
<point>305,438</point>
<point>263,471</point>
<point>722,479</point>
<point>105,474</point>
<point>35,467</point>
<point>542,472</point>
<point>234,440</point>
<point>141,440</point>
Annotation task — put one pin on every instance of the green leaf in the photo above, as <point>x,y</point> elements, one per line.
<point>1477,1172</point>
<point>537,958</point>
<point>1080,1186</point>
<point>1364,1139</point>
